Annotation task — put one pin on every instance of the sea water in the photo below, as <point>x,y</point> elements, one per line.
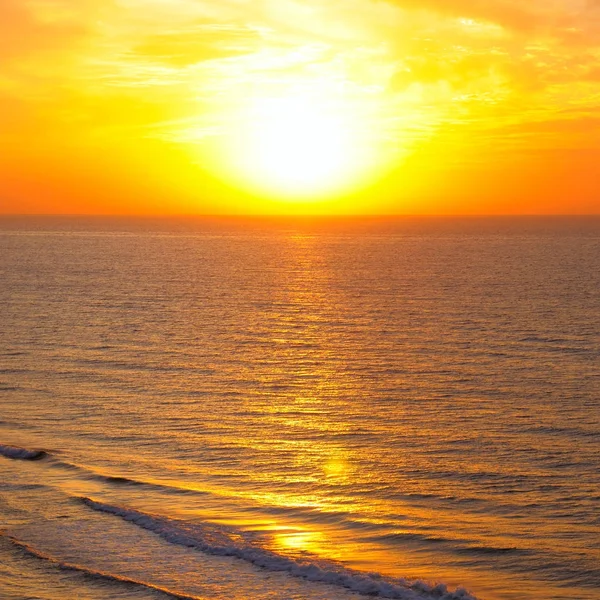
<point>300,408</point>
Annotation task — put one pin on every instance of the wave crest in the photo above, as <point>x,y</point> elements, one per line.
<point>21,453</point>
<point>210,540</point>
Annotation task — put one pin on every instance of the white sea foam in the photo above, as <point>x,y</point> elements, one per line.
<point>211,540</point>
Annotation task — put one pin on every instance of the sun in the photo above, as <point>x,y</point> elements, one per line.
<point>300,148</point>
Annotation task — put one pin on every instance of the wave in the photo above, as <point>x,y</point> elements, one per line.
<point>67,566</point>
<point>13,424</point>
<point>213,540</point>
<point>21,453</point>
<point>562,431</point>
<point>129,481</point>
<point>18,453</point>
<point>455,545</point>
<point>121,480</point>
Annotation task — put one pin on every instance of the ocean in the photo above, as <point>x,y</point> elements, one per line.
<point>300,408</point>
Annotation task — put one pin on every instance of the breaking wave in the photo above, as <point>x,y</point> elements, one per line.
<point>21,453</point>
<point>213,540</point>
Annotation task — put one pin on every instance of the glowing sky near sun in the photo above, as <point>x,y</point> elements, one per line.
<point>343,106</point>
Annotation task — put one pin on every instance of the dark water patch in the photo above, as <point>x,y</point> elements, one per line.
<point>545,339</point>
<point>5,387</point>
<point>17,453</point>
<point>456,546</point>
<point>120,480</point>
<point>432,497</point>
<point>164,488</point>
<point>490,550</point>
<point>11,486</point>
<point>554,430</point>
<point>15,424</point>
<point>408,536</point>
<point>139,366</point>
<point>493,478</point>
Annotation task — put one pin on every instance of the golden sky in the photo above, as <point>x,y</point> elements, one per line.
<point>279,106</point>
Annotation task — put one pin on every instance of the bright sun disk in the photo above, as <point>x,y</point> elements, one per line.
<point>299,147</point>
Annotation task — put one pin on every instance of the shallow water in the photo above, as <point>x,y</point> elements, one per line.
<point>300,409</point>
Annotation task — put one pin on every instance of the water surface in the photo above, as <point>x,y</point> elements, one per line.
<point>272,408</point>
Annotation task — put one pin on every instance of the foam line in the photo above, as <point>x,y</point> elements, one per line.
<point>211,540</point>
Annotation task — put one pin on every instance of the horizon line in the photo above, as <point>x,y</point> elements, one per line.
<point>297,216</point>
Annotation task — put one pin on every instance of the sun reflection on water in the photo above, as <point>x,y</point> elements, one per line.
<point>300,540</point>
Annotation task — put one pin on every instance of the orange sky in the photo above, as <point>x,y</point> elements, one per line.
<point>284,106</point>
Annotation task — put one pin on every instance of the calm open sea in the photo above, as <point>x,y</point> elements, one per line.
<point>300,409</point>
